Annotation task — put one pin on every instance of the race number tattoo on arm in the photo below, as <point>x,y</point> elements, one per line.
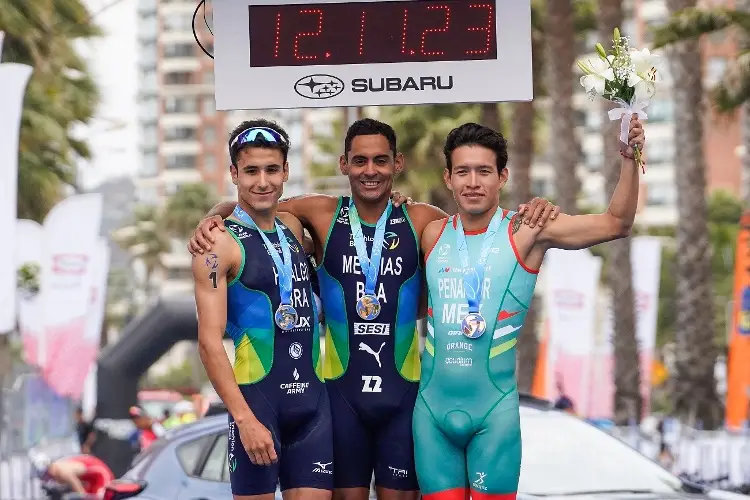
<point>516,224</point>
<point>212,262</point>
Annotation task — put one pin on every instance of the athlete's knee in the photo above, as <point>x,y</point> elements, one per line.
<point>391,494</point>
<point>265,496</point>
<point>306,494</point>
<point>452,494</point>
<point>481,495</point>
<point>351,494</point>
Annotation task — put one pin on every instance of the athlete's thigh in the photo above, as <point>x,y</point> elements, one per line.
<point>494,455</point>
<point>394,449</point>
<point>248,479</point>
<point>307,453</point>
<point>352,444</point>
<point>440,465</point>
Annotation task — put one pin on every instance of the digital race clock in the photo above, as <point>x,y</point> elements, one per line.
<point>355,53</point>
<point>372,32</point>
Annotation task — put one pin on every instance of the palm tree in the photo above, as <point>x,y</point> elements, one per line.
<point>522,146</point>
<point>146,241</point>
<point>421,132</point>
<point>693,387</point>
<point>186,208</point>
<point>60,94</point>
<point>628,403</point>
<point>560,41</point>
<point>733,91</point>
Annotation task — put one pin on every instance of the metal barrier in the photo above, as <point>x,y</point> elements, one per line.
<point>32,416</point>
<point>719,459</point>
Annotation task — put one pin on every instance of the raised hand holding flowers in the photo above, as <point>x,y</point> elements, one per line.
<point>624,76</point>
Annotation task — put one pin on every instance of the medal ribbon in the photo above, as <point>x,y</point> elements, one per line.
<point>370,265</point>
<point>284,268</point>
<point>474,276</point>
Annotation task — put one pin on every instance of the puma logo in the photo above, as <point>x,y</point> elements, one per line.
<point>367,348</point>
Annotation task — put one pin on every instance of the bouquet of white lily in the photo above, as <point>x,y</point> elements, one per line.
<point>625,76</point>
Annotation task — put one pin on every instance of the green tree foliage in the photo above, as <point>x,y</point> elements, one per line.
<point>734,88</point>
<point>60,94</point>
<point>186,208</point>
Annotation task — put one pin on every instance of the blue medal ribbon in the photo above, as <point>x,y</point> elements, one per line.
<point>473,276</point>
<point>284,268</point>
<point>370,265</point>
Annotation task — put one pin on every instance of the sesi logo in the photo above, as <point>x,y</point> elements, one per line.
<point>372,329</point>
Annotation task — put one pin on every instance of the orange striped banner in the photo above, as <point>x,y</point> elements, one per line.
<point>738,380</point>
<point>539,387</point>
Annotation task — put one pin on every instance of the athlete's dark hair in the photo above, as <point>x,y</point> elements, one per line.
<point>259,141</point>
<point>473,134</point>
<point>368,126</point>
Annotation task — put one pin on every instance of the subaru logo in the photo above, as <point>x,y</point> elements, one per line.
<point>319,86</point>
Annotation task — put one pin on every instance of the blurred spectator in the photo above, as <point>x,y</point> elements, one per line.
<point>85,431</point>
<point>184,413</point>
<point>665,455</point>
<point>565,404</point>
<point>147,430</point>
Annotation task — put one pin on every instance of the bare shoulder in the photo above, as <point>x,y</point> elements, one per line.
<point>293,223</point>
<point>431,234</point>
<point>422,214</point>
<point>312,202</point>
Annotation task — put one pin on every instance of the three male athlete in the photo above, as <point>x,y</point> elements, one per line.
<point>255,285</point>
<point>371,283</point>
<point>481,270</point>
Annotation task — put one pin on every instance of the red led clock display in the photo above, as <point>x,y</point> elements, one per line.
<point>372,32</point>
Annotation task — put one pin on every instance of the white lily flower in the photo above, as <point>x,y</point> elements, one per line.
<point>644,90</point>
<point>644,66</point>
<point>601,72</point>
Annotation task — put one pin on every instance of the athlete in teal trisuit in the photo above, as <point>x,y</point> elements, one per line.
<point>467,436</point>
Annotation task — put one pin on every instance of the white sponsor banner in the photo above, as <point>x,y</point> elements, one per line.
<point>71,233</point>
<point>645,259</point>
<point>571,285</point>
<point>13,81</point>
<point>77,352</point>
<point>29,245</point>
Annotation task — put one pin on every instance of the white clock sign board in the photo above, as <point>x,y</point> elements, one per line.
<point>367,52</point>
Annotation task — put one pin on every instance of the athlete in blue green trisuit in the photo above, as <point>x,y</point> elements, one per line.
<point>481,267</point>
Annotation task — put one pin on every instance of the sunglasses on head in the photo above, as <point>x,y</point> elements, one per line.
<point>251,135</point>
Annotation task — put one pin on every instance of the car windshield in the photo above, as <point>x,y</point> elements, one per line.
<point>563,455</point>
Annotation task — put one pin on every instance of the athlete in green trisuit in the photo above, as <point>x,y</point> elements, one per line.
<point>481,268</point>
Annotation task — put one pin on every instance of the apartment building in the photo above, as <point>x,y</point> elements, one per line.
<point>183,138</point>
<point>722,133</point>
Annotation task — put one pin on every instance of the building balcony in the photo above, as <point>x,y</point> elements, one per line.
<point>187,64</point>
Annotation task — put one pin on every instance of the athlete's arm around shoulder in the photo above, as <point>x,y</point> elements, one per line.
<point>315,211</point>
<point>211,275</point>
<point>311,209</point>
<point>431,235</point>
<point>422,215</point>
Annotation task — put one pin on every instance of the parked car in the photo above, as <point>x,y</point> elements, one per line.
<point>563,456</point>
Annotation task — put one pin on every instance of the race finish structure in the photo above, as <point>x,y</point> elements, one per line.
<point>361,53</point>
